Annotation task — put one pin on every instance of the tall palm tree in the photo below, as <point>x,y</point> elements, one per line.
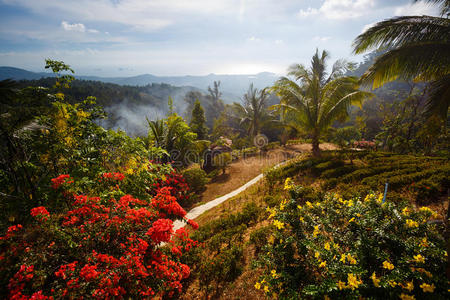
<point>419,49</point>
<point>314,99</point>
<point>253,113</point>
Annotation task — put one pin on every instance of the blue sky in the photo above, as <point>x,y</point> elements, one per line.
<point>179,37</point>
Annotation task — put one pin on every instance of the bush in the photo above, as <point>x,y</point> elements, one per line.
<point>259,237</point>
<point>222,160</point>
<point>196,179</point>
<point>102,247</point>
<point>353,249</point>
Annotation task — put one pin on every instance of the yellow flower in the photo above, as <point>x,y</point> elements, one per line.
<point>405,211</point>
<point>278,224</point>
<point>426,288</point>
<point>424,242</point>
<point>343,256</point>
<point>327,246</point>
<point>60,96</point>
<point>376,281</point>
<point>302,219</point>
<point>353,281</point>
<point>266,289</point>
<point>326,297</point>
<point>380,198</point>
<point>392,283</point>
<point>409,286</point>
<point>388,265</point>
<point>309,204</point>
<point>299,206</point>
<point>351,259</point>
<point>323,264</point>
<point>341,285</point>
<point>316,231</point>
<point>351,220</point>
<point>288,184</point>
<point>272,212</point>
<point>316,254</point>
<point>350,203</point>
<point>257,285</point>
<point>411,224</point>
<point>419,258</point>
<point>367,197</point>
<point>407,297</point>
<point>427,209</point>
<point>283,204</point>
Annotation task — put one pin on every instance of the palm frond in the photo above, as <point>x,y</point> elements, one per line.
<point>427,60</point>
<point>439,97</point>
<point>399,31</point>
<point>444,5</point>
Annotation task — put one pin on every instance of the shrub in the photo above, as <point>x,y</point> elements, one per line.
<point>196,179</point>
<point>259,237</point>
<point>222,160</point>
<point>102,247</point>
<point>353,248</point>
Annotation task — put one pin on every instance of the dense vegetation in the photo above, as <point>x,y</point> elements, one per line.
<point>91,212</point>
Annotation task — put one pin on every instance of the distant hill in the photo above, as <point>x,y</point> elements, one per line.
<point>232,86</point>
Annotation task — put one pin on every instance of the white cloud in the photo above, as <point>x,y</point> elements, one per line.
<point>340,9</point>
<point>93,31</point>
<point>73,27</point>
<point>416,9</point>
<point>141,15</point>
<point>308,12</point>
<point>279,42</point>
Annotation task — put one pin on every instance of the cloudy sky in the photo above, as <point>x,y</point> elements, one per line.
<point>179,37</point>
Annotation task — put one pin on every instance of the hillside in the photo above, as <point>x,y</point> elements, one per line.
<point>232,86</point>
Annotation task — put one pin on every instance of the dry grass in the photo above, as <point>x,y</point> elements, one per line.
<point>245,169</point>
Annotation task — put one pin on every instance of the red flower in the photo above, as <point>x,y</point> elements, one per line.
<point>64,178</point>
<point>161,230</point>
<point>193,224</point>
<point>41,212</point>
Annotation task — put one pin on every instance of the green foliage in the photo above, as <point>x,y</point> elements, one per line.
<point>222,160</point>
<point>221,260</point>
<point>196,179</point>
<point>371,172</point>
<point>345,136</point>
<point>418,50</point>
<point>198,120</point>
<point>173,135</point>
<point>313,99</point>
<point>352,248</point>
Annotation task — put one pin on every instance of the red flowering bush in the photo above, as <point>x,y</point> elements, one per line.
<point>178,187</point>
<point>61,179</point>
<point>101,248</point>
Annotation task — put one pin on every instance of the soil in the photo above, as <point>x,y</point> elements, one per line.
<point>245,169</point>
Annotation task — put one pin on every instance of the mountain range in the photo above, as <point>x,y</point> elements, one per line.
<point>231,86</point>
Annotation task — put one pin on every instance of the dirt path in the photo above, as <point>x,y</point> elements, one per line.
<point>242,174</point>
<point>245,169</point>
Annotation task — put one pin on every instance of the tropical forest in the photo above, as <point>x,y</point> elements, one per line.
<point>328,178</point>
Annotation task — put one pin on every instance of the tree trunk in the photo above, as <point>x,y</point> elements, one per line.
<point>315,145</point>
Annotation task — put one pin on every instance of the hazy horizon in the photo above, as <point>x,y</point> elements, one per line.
<point>122,38</point>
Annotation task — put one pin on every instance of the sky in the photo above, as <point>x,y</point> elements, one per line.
<point>186,37</point>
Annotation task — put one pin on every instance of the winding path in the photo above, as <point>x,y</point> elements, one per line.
<point>197,211</point>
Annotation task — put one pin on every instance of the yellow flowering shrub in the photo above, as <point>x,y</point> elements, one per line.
<point>351,248</point>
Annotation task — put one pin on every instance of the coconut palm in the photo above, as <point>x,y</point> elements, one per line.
<point>253,113</point>
<point>419,49</point>
<point>314,99</point>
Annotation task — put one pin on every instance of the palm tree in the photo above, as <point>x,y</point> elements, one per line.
<point>173,135</point>
<point>314,99</point>
<point>253,113</point>
<point>419,49</point>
